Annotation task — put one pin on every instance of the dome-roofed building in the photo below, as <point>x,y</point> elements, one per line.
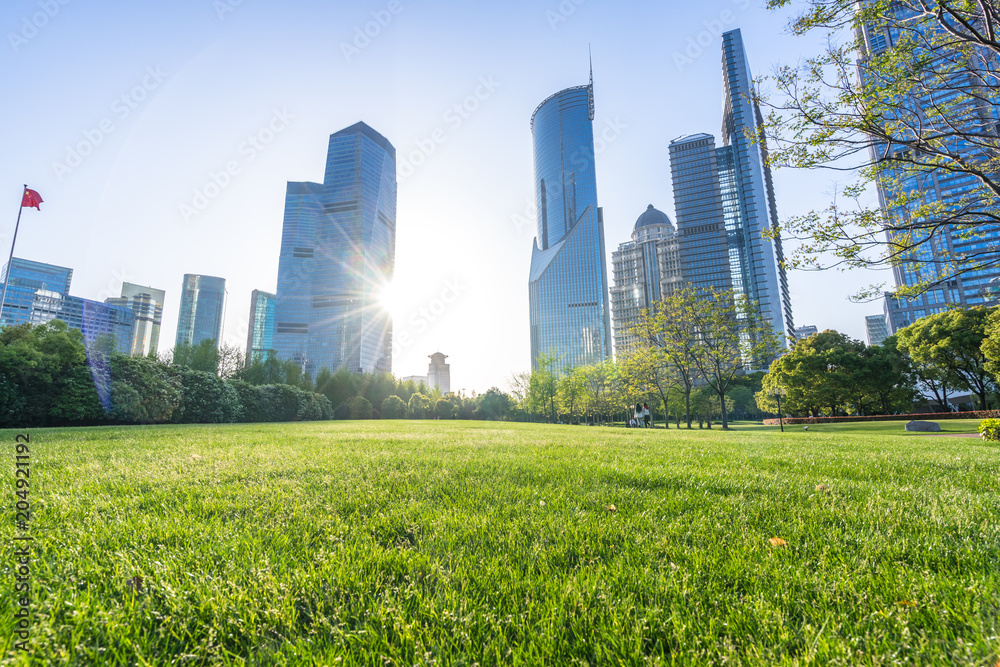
<point>644,269</point>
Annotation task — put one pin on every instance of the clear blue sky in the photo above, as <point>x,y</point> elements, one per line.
<point>122,113</point>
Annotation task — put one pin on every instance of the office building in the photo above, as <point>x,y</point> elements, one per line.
<point>567,284</point>
<point>203,305</point>
<point>337,253</point>
<point>801,333</point>
<point>439,373</point>
<point>644,269</point>
<point>877,329</point>
<point>748,200</point>
<point>701,224</point>
<point>946,211</point>
<point>260,331</point>
<point>147,305</point>
<point>38,293</point>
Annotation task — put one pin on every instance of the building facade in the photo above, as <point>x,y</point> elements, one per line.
<point>877,329</point>
<point>701,223</point>
<point>916,201</point>
<point>203,305</point>
<point>147,305</point>
<point>260,332</point>
<point>644,269</point>
<point>38,293</point>
<point>338,250</point>
<point>749,207</point>
<point>567,286</point>
<point>801,333</point>
<point>439,373</point>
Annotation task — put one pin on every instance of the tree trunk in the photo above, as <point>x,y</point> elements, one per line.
<point>687,406</point>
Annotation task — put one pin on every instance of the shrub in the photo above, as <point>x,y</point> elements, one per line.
<point>990,430</point>
<point>393,407</point>
<point>361,408</point>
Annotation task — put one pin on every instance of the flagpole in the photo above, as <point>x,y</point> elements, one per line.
<point>10,260</point>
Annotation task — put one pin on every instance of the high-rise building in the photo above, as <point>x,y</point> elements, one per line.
<point>260,334</point>
<point>38,293</point>
<point>568,281</point>
<point>801,333</point>
<point>439,373</point>
<point>877,329</point>
<point>701,223</point>
<point>748,195</point>
<point>338,249</point>
<point>645,269</point>
<point>203,305</point>
<point>147,304</point>
<point>963,103</point>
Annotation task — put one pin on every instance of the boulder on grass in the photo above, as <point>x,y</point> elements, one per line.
<point>926,427</point>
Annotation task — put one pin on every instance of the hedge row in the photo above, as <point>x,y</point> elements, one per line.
<point>925,416</point>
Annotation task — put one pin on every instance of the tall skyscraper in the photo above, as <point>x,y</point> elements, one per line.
<point>645,269</point>
<point>924,204</point>
<point>748,194</point>
<point>203,304</point>
<point>260,334</point>
<point>147,304</point>
<point>568,281</point>
<point>39,293</point>
<point>338,248</point>
<point>701,223</point>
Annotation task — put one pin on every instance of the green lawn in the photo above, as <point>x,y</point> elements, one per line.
<point>447,543</point>
<point>869,428</point>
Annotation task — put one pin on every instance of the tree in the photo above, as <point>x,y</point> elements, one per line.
<point>668,327</point>
<point>393,407</point>
<point>569,394</point>
<point>419,406</point>
<point>950,345</point>
<point>914,109</point>
<point>495,405</point>
<point>447,407</point>
<point>201,357</point>
<point>731,337</point>
<point>543,386</point>
<point>361,408</point>
<point>814,375</point>
<point>646,371</point>
<point>598,390</point>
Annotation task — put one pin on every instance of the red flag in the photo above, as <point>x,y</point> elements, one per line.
<point>31,199</point>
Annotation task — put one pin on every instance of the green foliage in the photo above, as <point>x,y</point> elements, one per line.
<point>904,118</point>
<point>495,405</point>
<point>989,429</point>
<point>419,407</point>
<point>361,408</point>
<point>206,399</point>
<point>202,357</point>
<point>393,407</point>
<point>950,346</point>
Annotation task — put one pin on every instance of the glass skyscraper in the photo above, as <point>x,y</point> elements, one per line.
<point>147,304</point>
<point>568,282</point>
<point>260,335</point>
<point>968,103</point>
<point>748,195</point>
<point>338,249</point>
<point>38,293</point>
<point>203,304</point>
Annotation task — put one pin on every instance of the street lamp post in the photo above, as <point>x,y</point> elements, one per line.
<point>778,392</point>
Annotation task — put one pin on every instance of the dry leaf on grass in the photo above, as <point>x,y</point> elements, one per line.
<point>611,508</point>
<point>907,603</point>
<point>135,583</point>
<point>541,503</point>
<point>778,542</point>
<point>822,488</point>
<point>196,457</point>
